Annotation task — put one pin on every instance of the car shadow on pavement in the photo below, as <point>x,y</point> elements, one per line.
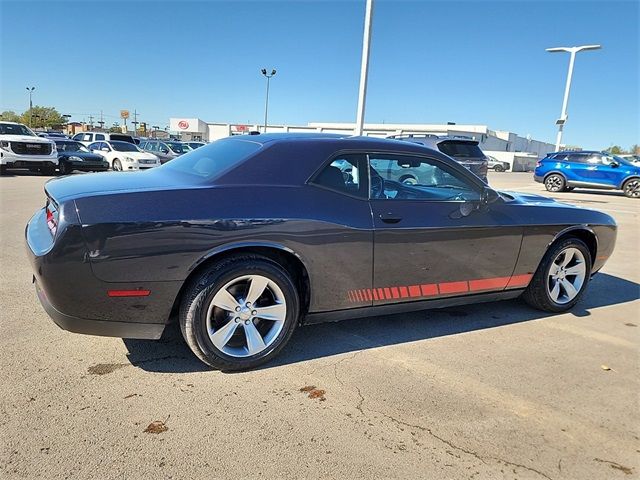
<point>170,354</point>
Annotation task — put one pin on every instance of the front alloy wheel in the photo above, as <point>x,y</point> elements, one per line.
<point>566,275</point>
<point>240,312</point>
<point>631,188</point>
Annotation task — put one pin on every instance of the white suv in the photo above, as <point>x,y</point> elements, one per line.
<point>21,148</point>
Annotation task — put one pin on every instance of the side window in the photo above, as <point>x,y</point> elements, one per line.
<point>78,137</point>
<point>345,174</point>
<point>88,137</point>
<point>99,136</point>
<point>94,146</point>
<point>152,146</point>
<point>577,158</point>
<point>418,178</point>
<point>143,145</point>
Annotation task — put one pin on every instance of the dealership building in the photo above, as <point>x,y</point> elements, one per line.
<point>502,144</point>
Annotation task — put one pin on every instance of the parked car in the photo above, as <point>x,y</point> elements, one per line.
<point>74,155</point>
<point>87,138</point>
<point>635,159</point>
<point>497,165</point>
<point>564,171</point>
<point>53,135</point>
<point>20,147</point>
<point>464,150</point>
<point>124,156</point>
<point>115,254</point>
<point>195,145</point>
<point>165,150</point>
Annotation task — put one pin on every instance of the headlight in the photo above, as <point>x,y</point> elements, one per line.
<point>128,159</point>
<point>73,158</point>
<point>4,144</point>
<point>53,148</point>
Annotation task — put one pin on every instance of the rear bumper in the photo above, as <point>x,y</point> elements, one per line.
<point>151,331</point>
<point>538,178</point>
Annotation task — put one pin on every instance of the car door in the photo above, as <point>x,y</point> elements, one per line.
<point>433,235</point>
<point>601,170</point>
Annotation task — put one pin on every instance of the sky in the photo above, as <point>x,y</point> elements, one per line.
<point>473,62</point>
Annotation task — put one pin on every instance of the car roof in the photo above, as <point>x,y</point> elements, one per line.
<point>574,151</point>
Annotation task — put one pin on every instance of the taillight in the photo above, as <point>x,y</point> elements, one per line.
<point>52,219</point>
<point>538,163</point>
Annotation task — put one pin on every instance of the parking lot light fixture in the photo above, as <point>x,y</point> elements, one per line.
<point>30,90</point>
<point>563,114</point>
<point>266,103</point>
<point>364,68</point>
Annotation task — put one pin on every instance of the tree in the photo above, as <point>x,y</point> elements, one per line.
<point>615,150</point>
<point>42,117</point>
<point>9,116</point>
<point>635,149</point>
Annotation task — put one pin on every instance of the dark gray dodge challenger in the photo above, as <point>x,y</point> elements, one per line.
<point>248,237</point>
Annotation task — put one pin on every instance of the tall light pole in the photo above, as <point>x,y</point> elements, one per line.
<point>266,102</point>
<point>563,115</point>
<point>364,67</point>
<point>30,90</point>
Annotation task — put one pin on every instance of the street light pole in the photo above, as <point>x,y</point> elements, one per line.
<point>364,67</point>
<point>567,88</point>
<point>30,90</point>
<point>266,102</point>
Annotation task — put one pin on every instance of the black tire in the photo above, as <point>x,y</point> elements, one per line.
<point>537,294</point>
<point>555,183</point>
<point>117,166</point>
<point>631,188</point>
<point>569,189</point>
<point>3,169</point>
<point>64,169</point>
<point>499,168</point>
<point>200,293</point>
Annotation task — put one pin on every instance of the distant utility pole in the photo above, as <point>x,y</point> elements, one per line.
<point>266,103</point>
<point>135,122</point>
<point>101,122</point>
<point>91,121</point>
<point>364,67</point>
<point>565,101</point>
<point>30,90</point>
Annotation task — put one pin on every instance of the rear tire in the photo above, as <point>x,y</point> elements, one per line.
<point>223,314</point>
<point>558,285</point>
<point>631,188</point>
<point>555,183</point>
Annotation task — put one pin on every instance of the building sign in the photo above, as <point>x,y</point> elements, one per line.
<point>124,114</point>
<point>183,125</point>
<point>239,128</point>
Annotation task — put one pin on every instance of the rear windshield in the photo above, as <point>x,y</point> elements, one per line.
<point>122,138</point>
<point>461,149</point>
<point>214,159</point>
<point>13,129</point>
<point>124,147</point>
<point>178,147</point>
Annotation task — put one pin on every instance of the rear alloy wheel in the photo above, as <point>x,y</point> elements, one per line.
<point>631,188</point>
<point>554,183</point>
<point>117,166</point>
<point>239,314</point>
<point>561,278</point>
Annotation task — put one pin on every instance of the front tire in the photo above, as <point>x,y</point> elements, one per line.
<point>555,183</point>
<point>3,170</point>
<point>239,313</point>
<point>499,168</point>
<point>117,166</point>
<point>561,278</point>
<point>631,188</point>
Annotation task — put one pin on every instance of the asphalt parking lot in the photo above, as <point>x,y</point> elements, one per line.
<point>485,391</point>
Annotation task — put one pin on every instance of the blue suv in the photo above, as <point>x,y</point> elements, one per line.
<point>564,171</point>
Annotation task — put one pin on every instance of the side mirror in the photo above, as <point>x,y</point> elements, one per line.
<point>614,164</point>
<point>489,195</point>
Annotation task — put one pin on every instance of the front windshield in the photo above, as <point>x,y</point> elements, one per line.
<point>15,129</point>
<point>124,147</point>
<point>624,161</point>
<point>178,147</point>
<point>71,147</point>
<point>215,159</point>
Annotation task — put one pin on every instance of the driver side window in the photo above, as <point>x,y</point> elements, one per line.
<point>417,178</point>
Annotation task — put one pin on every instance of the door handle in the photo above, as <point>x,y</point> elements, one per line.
<point>389,218</point>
